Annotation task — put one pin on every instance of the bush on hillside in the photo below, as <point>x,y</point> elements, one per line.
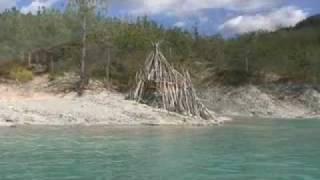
<point>21,74</point>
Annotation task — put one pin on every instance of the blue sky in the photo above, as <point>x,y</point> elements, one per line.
<point>211,16</point>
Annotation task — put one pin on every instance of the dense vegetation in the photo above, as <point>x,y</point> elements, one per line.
<point>291,54</point>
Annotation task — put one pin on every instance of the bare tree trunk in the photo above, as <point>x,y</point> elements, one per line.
<point>44,60</point>
<point>83,76</point>
<point>247,64</point>
<point>29,60</point>
<point>37,58</point>
<point>22,58</point>
<point>247,61</point>
<point>51,64</point>
<point>108,66</point>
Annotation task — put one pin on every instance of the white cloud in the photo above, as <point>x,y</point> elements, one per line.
<point>180,24</point>
<point>283,17</point>
<point>184,7</point>
<point>5,4</point>
<point>34,6</point>
<point>203,19</point>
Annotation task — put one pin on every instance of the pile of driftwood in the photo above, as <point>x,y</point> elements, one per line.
<point>160,85</point>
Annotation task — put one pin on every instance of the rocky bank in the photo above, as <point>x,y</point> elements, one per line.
<point>267,101</point>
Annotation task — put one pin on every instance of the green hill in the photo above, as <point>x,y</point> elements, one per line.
<point>311,22</point>
<point>291,55</point>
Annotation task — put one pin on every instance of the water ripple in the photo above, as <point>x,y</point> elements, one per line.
<point>265,150</point>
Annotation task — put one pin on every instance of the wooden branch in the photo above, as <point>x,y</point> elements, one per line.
<point>176,89</point>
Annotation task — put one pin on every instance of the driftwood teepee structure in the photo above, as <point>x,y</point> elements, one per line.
<point>160,85</point>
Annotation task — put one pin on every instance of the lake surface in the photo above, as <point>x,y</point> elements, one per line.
<point>242,150</point>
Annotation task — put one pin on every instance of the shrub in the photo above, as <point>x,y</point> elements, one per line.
<point>233,77</point>
<point>21,74</point>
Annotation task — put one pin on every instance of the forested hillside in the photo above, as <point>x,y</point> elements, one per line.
<point>287,55</point>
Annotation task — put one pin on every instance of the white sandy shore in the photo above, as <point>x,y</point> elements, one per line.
<point>26,105</point>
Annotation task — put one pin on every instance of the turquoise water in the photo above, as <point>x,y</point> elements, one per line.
<point>242,150</point>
